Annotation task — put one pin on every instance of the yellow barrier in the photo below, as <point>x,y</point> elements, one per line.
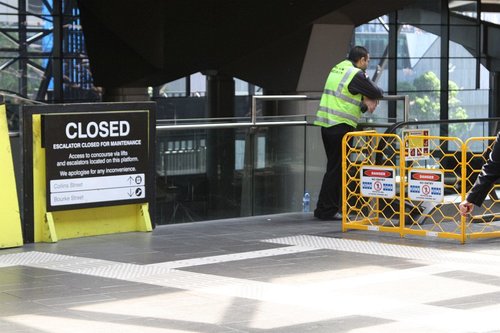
<point>371,155</point>
<point>10,227</point>
<point>384,190</point>
<point>484,221</point>
<point>440,173</point>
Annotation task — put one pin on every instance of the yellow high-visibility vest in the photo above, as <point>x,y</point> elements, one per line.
<point>337,104</point>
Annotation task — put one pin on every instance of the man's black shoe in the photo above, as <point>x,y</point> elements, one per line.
<point>337,217</point>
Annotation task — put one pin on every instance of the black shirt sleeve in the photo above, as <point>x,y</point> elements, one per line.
<point>361,84</point>
<point>488,176</point>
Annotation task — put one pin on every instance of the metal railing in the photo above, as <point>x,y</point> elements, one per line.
<point>253,117</point>
<point>405,99</point>
<point>395,126</point>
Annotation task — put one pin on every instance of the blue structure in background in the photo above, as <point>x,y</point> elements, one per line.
<point>76,80</point>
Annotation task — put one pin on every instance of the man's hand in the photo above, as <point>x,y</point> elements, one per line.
<point>465,208</point>
<point>370,103</point>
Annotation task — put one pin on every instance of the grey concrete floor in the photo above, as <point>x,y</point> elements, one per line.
<point>281,273</point>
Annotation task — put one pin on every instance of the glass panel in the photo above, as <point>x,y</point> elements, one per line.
<point>466,35</point>
<point>77,81</point>
<point>76,76</point>
<point>181,176</point>
<point>491,17</point>
<point>8,40</point>
<point>468,104</point>
<point>180,108</point>
<point>8,14</point>
<point>462,73</point>
<point>373,36</point>
<point>418,70</point>
<point>240,87</point>
<point>484,74</point>
<point>465,8</point>
<point>35,41</point>
<point>221,173</point>
<point>35,76</point>
<point>9,76</point>
<point>239,156</point>
<point>279,174</point>
<point>462,63</point>
<point>175,88</point>
<point>198,84</point>
<point>424,92</point>
<point>36,21</point>
<point>73,40</point>
<point>423,12</point>
<point>381,80</point>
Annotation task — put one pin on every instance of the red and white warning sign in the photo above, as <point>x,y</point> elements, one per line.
<point>378,182</point>
<point>426,185</point>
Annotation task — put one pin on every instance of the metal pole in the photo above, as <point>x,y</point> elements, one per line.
<point>407,108</point>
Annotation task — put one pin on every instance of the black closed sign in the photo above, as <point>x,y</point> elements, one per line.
<point>95,159</point>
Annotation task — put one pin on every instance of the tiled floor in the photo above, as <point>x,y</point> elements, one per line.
<point>283,273</point>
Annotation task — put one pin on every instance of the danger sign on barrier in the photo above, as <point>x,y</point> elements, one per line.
<point>426,185</point>
<point>378,182</point>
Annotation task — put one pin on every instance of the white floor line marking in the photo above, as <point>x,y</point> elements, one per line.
<point>385,249</point>
<point>296,244</point>
<point>234,257</point>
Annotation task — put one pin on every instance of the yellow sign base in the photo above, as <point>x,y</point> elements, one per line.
<point>94,221</point>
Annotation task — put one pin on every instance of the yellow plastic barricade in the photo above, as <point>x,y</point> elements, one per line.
<point>433,190</point>
<point>387,190</point>
<point>485,220</point>
<point>371,169</point>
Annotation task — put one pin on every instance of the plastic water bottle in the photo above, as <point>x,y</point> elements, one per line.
<point>306,202</point>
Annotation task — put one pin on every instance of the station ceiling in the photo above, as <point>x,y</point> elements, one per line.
<point>150,42</point>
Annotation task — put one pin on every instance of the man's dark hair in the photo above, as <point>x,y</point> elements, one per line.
<point>357,53</point>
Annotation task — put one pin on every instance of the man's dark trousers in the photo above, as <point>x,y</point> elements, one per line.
<point>330,195</point>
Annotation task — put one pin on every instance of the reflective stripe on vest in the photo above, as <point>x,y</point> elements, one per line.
<point>323,112</point>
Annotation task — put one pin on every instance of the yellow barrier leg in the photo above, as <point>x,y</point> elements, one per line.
<point>49,234</point>
<point>144,223</point>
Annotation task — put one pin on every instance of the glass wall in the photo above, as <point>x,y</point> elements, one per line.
<point>420,58</point>
<point>33,63</point>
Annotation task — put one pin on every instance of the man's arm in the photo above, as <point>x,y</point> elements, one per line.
<point>361,84</point>
<point>486,179</point>
<point>489,174</point>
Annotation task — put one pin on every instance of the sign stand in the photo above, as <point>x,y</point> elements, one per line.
<point>49,235</point>
<point>73,191</point>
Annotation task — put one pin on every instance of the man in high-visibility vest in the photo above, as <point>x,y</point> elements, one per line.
<point>348,93</point>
